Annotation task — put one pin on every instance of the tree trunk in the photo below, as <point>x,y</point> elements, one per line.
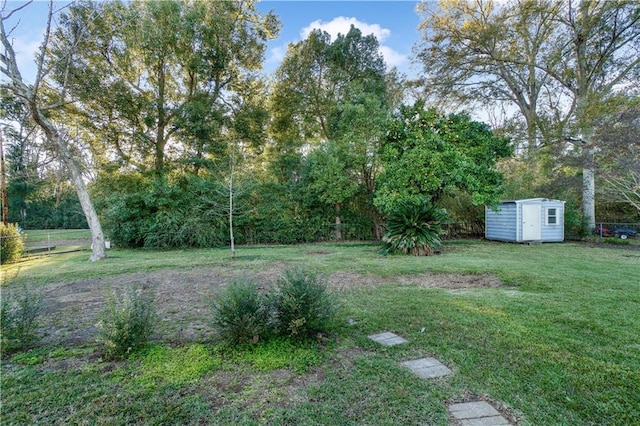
<point>589,188</point>
<point>231,237</point>
<point>5,207</point>
<point>338,223</point>
<point>98,251</point>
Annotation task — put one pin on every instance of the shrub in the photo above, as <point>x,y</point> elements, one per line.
<point>616,241</point>
<point>240,313</point>
<point>11,243</point>
<point>414,228</point>
<point>19,319</point>
<point>301,304</point>
<point>126,323</point>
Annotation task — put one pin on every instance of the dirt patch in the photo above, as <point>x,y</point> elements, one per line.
<point>183,298</point>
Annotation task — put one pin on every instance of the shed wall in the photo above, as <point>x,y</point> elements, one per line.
<point>501,225</point>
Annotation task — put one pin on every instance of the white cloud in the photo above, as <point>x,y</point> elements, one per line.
<point>342,24</point>
<point>393,58</point>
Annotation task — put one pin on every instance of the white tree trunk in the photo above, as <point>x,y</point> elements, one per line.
<point>589,195</point>
<point>98,251</point>
<point>231,237</point>
<point>28,95</point>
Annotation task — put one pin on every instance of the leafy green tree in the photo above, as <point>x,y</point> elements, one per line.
<point>486,53</point>
<point>427,154</point>
<point>154,75</point>
<point>333,97</point>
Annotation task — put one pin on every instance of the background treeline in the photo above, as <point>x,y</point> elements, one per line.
<point>180,137</point>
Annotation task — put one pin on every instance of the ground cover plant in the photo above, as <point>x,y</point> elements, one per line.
<point>548,334</point>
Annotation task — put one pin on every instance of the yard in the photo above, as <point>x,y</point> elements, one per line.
<point>548,334</point>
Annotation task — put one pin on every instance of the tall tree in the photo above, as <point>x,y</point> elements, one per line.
<point>621,149</point>
<point>556,60</point>
<point>157,76</point>
<point>480,52</point>
<point>427,154</point>
<point>333,97</point>
<point>40,111</point>
<point>596,50</point>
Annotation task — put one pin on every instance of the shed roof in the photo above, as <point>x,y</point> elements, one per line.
<point>528,200</point>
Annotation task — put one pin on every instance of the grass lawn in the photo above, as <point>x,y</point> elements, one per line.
<point>558,344</point>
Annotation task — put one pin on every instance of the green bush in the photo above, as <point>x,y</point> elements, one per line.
<point>19,319</point>
<point>11,243</point>
<point>126,323</point>
<point>240,313</point>
<point>616,241</point>
<point>301,304</point>
<point>414,228</point>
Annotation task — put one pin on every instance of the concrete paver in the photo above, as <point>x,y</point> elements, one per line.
<point>427,368</point>
<point>387,339</point>
<point>478,413</point>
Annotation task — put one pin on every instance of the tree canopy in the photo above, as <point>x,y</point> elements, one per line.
<point>427,154</point>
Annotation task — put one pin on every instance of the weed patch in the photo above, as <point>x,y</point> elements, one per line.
<point>126,323</point>
<point>19,313</point>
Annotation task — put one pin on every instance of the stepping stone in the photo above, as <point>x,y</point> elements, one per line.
<point>387,339</point>
<point>479,413</point>
<point>427,368</point>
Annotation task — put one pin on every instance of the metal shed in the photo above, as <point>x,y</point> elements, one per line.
<point>532,219</point>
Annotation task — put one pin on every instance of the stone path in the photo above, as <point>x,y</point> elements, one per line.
<point>477,413</point>
<point>427,368</point>
<point>387,339</point>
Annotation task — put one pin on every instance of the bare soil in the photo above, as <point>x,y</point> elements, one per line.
<point>183,298</point>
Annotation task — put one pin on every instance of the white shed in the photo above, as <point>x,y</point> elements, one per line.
<point>533,219</point>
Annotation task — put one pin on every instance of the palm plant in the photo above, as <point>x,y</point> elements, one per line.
<point>414,228</point>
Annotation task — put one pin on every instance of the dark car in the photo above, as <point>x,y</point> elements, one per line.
<point>623,232</point>
<point>602,231</point>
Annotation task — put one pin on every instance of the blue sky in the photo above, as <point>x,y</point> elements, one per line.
<point>393,22</point>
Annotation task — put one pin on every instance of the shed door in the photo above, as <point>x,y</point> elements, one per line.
<point>531,222</point>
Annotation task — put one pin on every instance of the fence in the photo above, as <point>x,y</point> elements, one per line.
<point>616,230</point>
<point>52,241</point>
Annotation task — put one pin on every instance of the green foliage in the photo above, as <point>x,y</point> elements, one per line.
<point>126,323</point>
<point>414,228</point>
<point>575,226</point>
<point>174,366</point>
<point>281,352</point>
<point>301,304</point>
<point>19,313</point>
<point>160,213</point>
<point>616,241</point>
<point>11,243</point>
<point>240,313</point>
<point>427,154</point>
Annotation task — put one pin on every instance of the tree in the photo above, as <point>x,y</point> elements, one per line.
<point>621,150</point>
<point>333,97</point>
<point>158,74</point>
<point>40,111</point>
<point>483,53</point>
<point>557,61</point>
<point>427,154</point>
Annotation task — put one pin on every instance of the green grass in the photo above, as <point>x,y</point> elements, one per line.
<point>560,344</point>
